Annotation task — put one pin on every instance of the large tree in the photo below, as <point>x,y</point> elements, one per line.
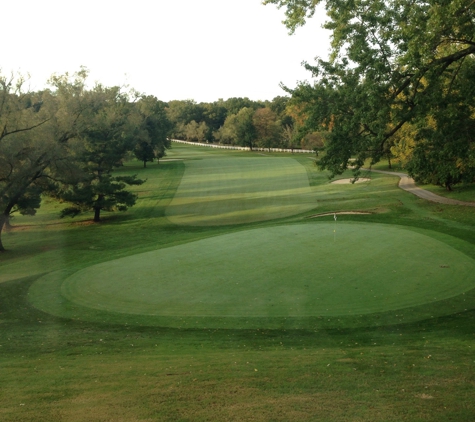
<point>35,128</point>
<point>196,132</point>
<point>235,104</point>
<point>105,136</point>
<point>214,115</point>
<point>181,113</point>
<point>238,129</point>
<point>394,63</point>
<point>246,134</point>
<point>227,134</point>
<point>267,127</point>
<point>152,129</point>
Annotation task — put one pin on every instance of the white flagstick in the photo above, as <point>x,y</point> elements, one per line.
<point>334,230</point>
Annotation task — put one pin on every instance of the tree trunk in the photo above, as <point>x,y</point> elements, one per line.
<point>3,220</point>
<point>97,214</point>
<point>389,163</point>
<point>144,163</point>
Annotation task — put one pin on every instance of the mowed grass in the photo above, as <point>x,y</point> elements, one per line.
<point>236,190</point>
<point>303,271</point>
<point>78,363</point>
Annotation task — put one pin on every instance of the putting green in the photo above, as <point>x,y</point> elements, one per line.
<point>224,190</point>
<point>292,271</point>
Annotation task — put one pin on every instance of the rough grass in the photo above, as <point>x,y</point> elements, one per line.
<point>460,192</point>
<point>57,368</point>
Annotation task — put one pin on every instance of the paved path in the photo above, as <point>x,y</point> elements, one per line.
<point>407,183</point>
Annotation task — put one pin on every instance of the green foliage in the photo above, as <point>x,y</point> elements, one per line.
<point>238,129</point>
<point>393,63</point>
<point>196,132</point>
<point>246,133</point>
<point>35,129</point>
<point>235,104</point>
<point>105,137</point>
<point>267,127</point>
<point>218,121</point>
<point>214,115</point>
<point>297,11</point>
<point>226,134</point>
<point>181,113</point>
<point>152,129</point>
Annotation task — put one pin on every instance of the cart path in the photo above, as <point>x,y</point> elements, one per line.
<point>407,183</point>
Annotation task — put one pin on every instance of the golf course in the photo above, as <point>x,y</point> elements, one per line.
<point>242,286</point>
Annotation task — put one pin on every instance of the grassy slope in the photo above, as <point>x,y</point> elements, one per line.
<point>63,369</point>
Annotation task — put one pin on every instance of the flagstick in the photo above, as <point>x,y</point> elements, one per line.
<point>334,230</point>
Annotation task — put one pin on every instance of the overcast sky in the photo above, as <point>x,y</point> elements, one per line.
<point>174,49</point>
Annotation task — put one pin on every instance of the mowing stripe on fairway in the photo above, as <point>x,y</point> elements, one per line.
<point>294,271</point>
<point>233,190</point>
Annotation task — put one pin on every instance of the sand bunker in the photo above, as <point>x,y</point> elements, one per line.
<point>345,181</point>
<point>339,213</point>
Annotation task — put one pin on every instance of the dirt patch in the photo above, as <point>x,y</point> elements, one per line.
<point>83,223</point>
<point>19,228</point>
<point>346,181</point>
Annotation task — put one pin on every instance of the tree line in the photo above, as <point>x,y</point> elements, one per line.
<point>399,82</point>
<point>243,122</point>
<point>66,141</point>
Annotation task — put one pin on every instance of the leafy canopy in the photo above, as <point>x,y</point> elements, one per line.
<point>393,63</point>
<point>106,134</point>
<point>35,129</point>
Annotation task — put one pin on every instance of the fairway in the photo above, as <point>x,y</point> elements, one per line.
<point>233,190</point>
<point>294,271</point>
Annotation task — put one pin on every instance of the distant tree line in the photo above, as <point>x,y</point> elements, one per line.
<point>241,121</point>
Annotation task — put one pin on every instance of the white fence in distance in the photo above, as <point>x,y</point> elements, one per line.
<point>304,151</point>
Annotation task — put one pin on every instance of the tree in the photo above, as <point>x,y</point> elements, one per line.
<point>235,104</point>
<point>279,105</point>
<point>393,63</point>
<point>153,129</point>
<point>196,132</point>
<point>289,137</point>
<point>246,134</point>
<point>35,129</point>
<point>238,129</point>
<point>180,113</point>
<point>105,137</point>
<point>214,115</point>
<point>267,127</point>
<point>314,141</point>
<point>227,133</point>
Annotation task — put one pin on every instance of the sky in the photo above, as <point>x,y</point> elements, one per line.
<point>201,50</point>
